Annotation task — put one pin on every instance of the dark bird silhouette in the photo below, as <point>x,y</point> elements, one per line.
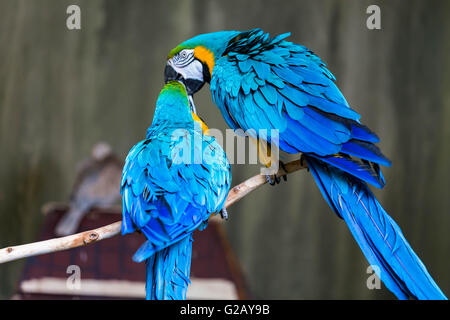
<point>97,185</point>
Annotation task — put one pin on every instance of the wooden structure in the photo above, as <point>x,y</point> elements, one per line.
<point>107,271</point>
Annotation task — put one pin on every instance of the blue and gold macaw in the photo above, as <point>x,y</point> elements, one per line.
<point>267,83</point>
<point>172,182</point>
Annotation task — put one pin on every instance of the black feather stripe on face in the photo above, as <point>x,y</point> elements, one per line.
<point>206,73</point>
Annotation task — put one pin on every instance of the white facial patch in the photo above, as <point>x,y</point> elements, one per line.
<point>185,64</point>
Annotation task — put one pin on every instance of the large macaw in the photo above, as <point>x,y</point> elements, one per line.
<point>171,183</point>
<point>267,83</point>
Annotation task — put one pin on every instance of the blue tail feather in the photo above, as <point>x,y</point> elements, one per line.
<point>168,271</point>
<point>361,169</point>
<point>379,237</point>
<point>366,151</point>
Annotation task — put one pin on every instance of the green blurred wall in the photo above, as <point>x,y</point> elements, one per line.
<point>61,91</point>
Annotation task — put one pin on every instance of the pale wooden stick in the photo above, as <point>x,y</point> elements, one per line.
<point>111,230</point>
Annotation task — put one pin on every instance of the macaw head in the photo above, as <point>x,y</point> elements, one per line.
<point>193,60</point>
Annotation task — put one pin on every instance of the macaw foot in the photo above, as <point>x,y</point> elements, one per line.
<point>273,179</point>
<point>224,213</point>
<point>302,162</point>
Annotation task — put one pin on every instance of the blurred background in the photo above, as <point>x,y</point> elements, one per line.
<point>61,91</point>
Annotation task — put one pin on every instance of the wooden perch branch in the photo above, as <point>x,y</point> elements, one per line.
<point>111,230</point>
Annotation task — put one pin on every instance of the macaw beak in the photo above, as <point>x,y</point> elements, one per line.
<point>192,85</point>
<point>170,74</point>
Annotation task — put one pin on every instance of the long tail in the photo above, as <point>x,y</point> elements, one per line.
<point>168,271</point>
<point>379,237</point>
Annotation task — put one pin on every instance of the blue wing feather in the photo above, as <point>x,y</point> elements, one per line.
<point>285,86</point>
<point>175,189</point>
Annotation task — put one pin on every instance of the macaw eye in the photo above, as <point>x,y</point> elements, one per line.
<point>183,58</point>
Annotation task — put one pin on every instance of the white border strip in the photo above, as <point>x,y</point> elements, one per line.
<point>200,288</point>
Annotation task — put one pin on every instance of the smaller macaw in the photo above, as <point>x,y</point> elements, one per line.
<point>171,183</point>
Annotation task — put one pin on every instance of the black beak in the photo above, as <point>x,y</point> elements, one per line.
<point>192,85</point>
<point>170,74</point>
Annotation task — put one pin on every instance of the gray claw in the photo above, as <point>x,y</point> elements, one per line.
<point>270,180</point>
<point>277,179</point>
<point>274,179</point>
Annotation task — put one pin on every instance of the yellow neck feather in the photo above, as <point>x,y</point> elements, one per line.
<point>205,55</point>
<point>202,124</point>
